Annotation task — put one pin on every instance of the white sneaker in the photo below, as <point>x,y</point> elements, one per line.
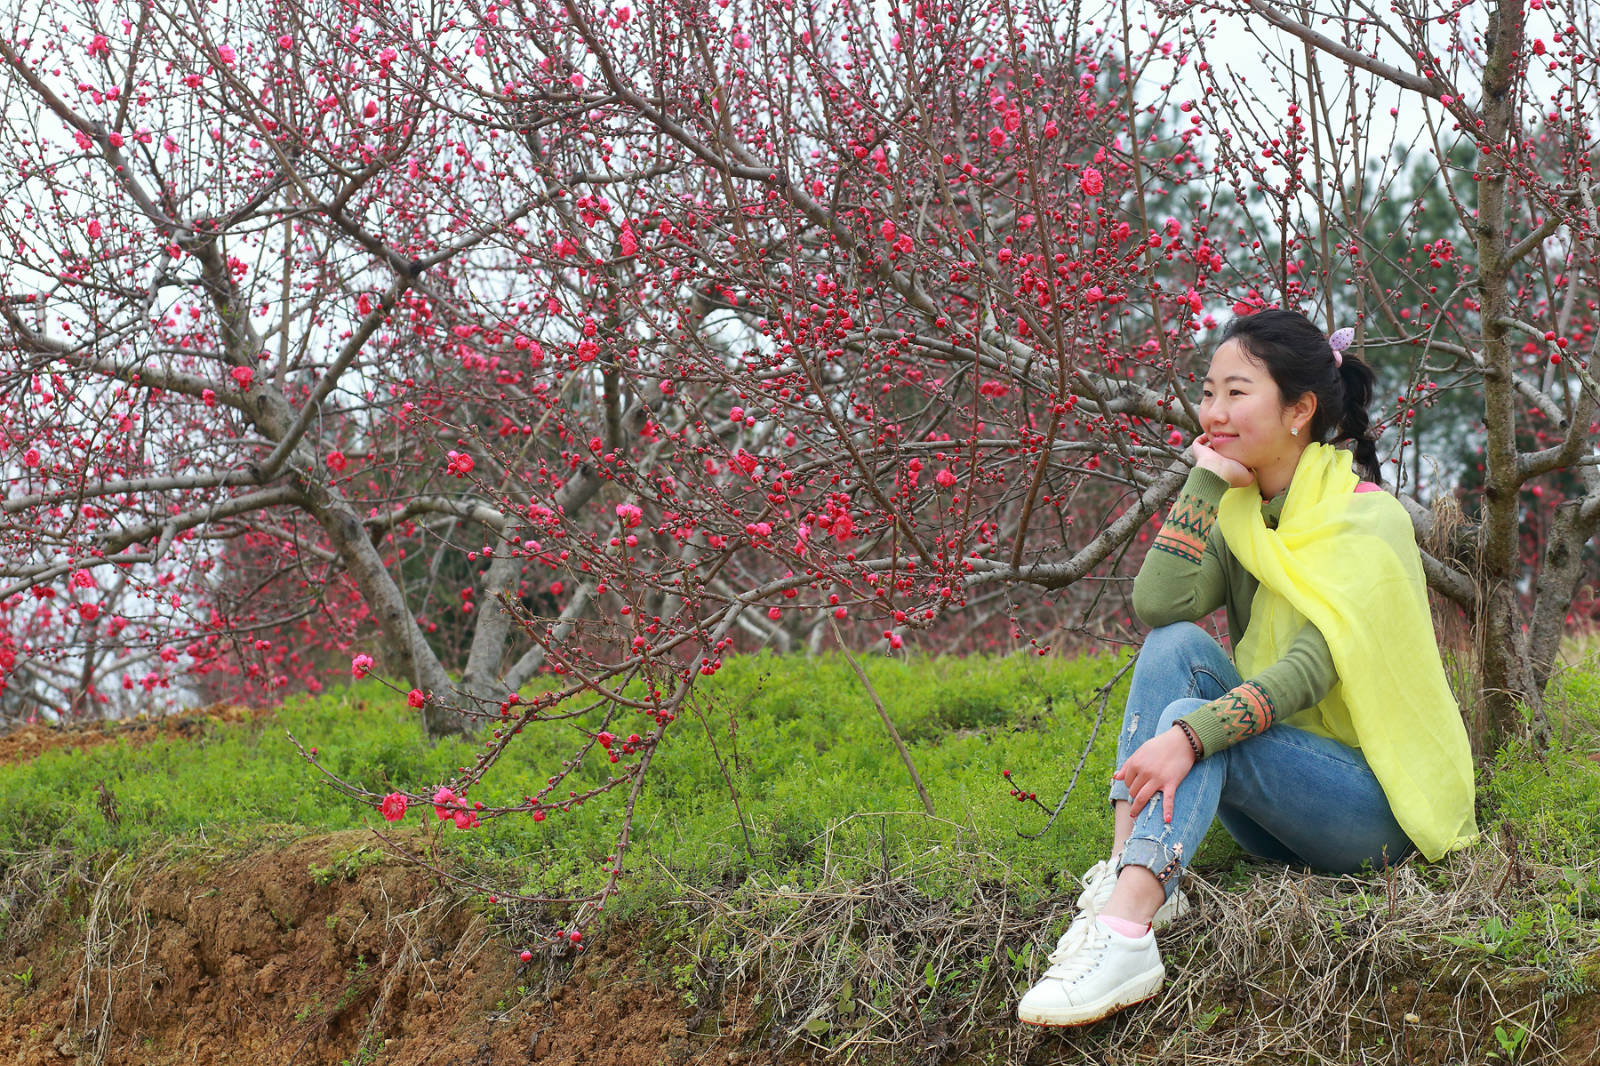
<point>1094,973</point>
<point>1099,881</point>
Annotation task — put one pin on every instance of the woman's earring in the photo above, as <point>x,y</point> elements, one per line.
<point>1294,431</point>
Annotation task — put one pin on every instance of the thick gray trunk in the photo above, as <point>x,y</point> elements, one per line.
<point>405,651</point>
<point>1557,585</point>
<point>1506,675</point>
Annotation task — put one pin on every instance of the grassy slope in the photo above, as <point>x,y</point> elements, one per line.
<point>828,804</point>
<point>800,739</point>
<point>804,748</point>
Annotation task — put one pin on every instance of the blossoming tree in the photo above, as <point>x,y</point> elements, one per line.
<point>475,343</point>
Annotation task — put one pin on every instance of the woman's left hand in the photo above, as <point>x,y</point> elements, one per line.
<point>1160,765</point>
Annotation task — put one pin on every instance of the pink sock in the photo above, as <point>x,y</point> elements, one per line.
<point>1124,926</point>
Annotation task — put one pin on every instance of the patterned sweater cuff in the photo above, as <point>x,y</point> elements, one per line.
<point>1242,713</point>
<point>1189,522</point>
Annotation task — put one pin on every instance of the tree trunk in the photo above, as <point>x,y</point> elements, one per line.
<point>1506,675</point>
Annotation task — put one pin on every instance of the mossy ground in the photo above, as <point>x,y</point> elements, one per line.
<point>826,914</point>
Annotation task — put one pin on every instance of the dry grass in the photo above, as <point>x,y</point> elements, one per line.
<point>1283,967</point>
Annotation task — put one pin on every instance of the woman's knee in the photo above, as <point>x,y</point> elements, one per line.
<point>1177,709</point>
<point>1180,640</point>
<point>1140,729</point>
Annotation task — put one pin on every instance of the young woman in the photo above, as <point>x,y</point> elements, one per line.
<point>1330,739</point>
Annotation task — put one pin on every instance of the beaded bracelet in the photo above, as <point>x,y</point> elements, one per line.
<point>1194,741</point>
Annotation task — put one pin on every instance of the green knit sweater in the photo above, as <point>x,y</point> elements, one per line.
<point>1189,573</point>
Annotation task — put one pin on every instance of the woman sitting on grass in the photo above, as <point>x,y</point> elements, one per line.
<point>1330,740</point>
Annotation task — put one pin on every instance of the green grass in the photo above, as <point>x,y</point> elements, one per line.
<point>1550,801</point>
<point>800,739</point>
<point>817,778</point>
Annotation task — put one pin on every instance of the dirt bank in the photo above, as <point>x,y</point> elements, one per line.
<point>24,742</point>
<point>318,951</point>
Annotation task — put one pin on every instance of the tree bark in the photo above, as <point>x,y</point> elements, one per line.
<point>407,650</point>
<point>1507,678</point>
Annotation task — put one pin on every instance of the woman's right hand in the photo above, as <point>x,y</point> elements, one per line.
<point>1236,474</point>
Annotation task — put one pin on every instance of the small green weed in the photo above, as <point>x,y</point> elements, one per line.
<point>346,865</point>
<point>367,1052</point>
<point>1511,1042</point>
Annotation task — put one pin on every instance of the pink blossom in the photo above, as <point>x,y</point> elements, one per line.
<point>460,464</point>
<point>627,243</point>
<point>114,139</point>
<point>84,140</point>
<point>605,739</point>
<point>227,54</point>
<point>336,462</point>
<point>393,808</point>
<point>208,397</point>
<point>843,527</point>
<point>88,611</point>
<point>361,666</point>
<point>82,579</point>
<point>629,514</point>
<point>741,40</point>
<point>440,799</point>
<point>242,376</point>
<point>285,41</point>
<point>31,457</point>
<point>465,819</point>
<point>1092,182</point>
<point>99,46</point>
<point>997,137</point>
<point>945,478</point>
<point>415,698</point>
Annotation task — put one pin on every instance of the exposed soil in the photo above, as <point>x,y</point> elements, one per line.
<point>26,742</point>
<point>253,961</point>
<point>327,950</point>
<point>305,951</point>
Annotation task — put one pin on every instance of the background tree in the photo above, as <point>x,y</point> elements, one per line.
<point>1499,96</point>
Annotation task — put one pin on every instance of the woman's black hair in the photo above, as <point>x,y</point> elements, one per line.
<point>1297,355</point>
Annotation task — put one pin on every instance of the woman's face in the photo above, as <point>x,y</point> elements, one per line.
<point>1242,412</point>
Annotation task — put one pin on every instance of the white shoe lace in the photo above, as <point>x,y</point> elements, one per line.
<point>1080,949</point>
<point>1091,878</point>
<point>1088,907</point>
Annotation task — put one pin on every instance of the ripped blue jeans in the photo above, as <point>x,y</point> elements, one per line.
<point>1285,795</point>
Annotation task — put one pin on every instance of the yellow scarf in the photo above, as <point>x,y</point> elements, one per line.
<point>1347,562</point>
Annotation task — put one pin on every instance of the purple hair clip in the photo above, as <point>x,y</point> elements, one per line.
<point>1339,341</point>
